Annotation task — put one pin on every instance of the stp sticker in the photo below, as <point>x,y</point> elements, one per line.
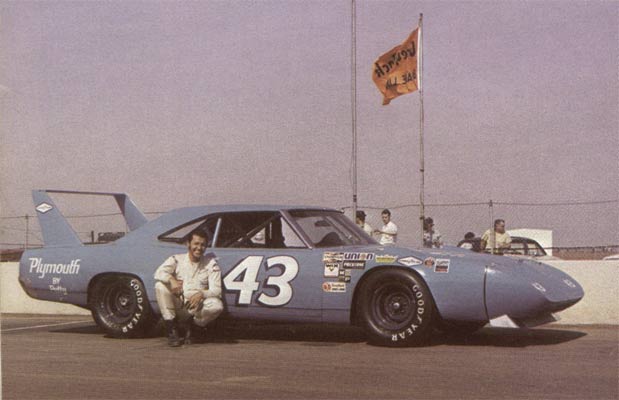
<point>441,265</point>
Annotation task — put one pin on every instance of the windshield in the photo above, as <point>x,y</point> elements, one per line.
<point>330,229</point>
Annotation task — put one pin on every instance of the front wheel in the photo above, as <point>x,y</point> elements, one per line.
<point>119,305</point>
<point>395,308</point>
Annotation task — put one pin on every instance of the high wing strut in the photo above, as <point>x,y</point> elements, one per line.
<point>56,229</point>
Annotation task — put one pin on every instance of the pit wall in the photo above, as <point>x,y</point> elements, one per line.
<point>600,280</point>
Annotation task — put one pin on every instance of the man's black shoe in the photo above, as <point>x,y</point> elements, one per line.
<point>193,333</point>
<point>174,339</point>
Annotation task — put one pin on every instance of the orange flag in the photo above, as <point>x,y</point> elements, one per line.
<point>395,72</point>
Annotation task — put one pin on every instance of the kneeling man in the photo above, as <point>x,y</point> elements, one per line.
<point>188,289</point>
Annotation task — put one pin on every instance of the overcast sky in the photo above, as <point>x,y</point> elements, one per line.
<point>185,103</point>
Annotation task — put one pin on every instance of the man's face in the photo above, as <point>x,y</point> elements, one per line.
<point>500,227</point>
<point>359,221</point>
<point>386,218</point>
<point>196,247</point>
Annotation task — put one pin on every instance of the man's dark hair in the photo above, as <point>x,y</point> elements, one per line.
<point>361,215</point>
<point>498,221</point>
<point>469,235</point>
<point>386,211</point>
<point>199,233</point>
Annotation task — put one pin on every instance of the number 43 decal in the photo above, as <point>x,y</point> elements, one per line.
<point>242,278</point>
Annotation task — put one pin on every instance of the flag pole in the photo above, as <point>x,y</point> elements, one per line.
<point>353,85</point>
<point>421,115</point>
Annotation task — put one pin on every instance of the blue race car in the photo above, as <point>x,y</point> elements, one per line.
<point>291,264</point>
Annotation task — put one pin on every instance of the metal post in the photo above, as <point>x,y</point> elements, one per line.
<point>353,85</point>
<point>27,231</point>
<point>421,115</point>
<point>490,204</point>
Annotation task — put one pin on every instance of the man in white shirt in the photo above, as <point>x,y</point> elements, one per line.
<point>188,289</point>
<point>389,231</point>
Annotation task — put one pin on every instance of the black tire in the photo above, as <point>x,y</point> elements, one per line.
<point>395,308</point>
<point>119,305</point>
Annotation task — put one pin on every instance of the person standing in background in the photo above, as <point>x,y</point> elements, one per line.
<point>431,237</point>
<point>362,224</point>
<point>496,241</point>
<point>389,231</point>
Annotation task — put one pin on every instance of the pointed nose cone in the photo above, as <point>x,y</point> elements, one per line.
<point>524,289</point>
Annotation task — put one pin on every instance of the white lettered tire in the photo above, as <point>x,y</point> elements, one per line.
<point>119,305</point>
<point>395,308</point>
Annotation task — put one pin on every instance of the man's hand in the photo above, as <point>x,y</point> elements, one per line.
<point>176,286</point>
<point>196,300</point>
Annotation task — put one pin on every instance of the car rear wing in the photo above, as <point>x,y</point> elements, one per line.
<point>56,229</point>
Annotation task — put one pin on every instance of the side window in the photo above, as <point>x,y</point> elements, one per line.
<point>256,230</point>
<point>517,248</point>
<point>535,249</point>
<point>181,234</point>
<point>291,239</point>
<point>231,231</point>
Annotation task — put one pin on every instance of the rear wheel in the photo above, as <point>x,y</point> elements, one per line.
<point>120,306</point>
<point>395,308</point>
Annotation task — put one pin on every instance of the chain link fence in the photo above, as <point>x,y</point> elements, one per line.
<point>574,229</point>
<point>577,229</point>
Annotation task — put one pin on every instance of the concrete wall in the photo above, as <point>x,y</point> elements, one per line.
<point>13,299</point>
<point>600,279</point>
<point>600,305</point>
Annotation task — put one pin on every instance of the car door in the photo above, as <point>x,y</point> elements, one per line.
<point>266,268</point>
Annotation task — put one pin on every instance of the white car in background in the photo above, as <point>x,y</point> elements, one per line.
<point>520,247</point>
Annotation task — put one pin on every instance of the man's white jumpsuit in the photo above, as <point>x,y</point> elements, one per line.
<point>204,276</point>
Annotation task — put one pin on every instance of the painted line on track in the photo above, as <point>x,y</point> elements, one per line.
<point>43,326</point>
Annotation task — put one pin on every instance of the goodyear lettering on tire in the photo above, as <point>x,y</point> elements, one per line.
<point>418,318</point>
<point>139,299</point>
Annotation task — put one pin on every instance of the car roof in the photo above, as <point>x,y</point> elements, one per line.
<point>178,216</point>
<point>198,211</point>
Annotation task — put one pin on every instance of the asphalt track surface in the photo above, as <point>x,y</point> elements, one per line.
<point>68,357</point>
